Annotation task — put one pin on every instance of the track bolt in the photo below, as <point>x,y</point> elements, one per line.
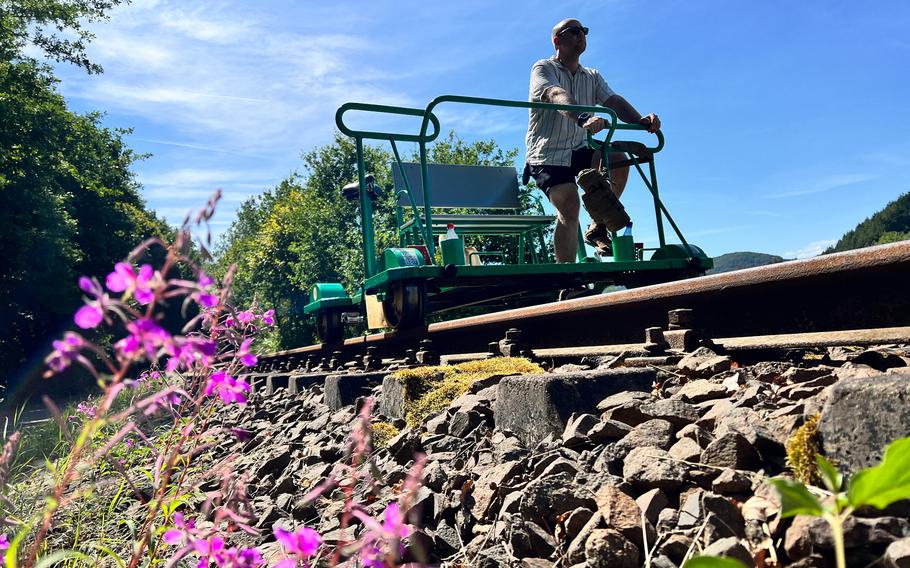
<point>426,355</point>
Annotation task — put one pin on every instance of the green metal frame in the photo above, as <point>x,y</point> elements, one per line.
<point>667,257</point>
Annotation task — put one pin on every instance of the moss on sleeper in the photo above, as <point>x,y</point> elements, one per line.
<point>428,390</point>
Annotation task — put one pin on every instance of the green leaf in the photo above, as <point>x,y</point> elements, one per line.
<point>110,553</point>
<point>52,559</point>
<point>12,553</point>
<point>832,478</point>
<point>885,483</point>
<point>713,562</point>
<point>795,499</point>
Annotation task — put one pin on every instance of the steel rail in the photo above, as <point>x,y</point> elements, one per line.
<point>861,289</point>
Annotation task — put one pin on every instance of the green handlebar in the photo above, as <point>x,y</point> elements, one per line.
<point>613,120</point>
<point>339,122</point>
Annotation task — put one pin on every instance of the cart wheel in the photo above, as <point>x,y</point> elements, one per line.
<point>328,326</point>
<point>404,305</point>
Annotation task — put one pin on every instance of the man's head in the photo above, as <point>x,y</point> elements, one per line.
<point>569,37</point>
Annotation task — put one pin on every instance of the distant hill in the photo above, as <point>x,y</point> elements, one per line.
<point>740,260</point>
<point>889,225</point>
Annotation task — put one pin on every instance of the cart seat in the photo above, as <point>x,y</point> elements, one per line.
<point>467,187</point>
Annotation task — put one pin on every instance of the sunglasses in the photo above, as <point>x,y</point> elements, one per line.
<point>574,30</point>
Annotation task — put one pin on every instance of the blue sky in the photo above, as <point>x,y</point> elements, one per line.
<point>786,123</point>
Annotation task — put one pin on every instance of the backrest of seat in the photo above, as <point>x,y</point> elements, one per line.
<point>482,187</point>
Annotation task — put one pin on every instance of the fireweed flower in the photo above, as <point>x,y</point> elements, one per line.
<point>299,545</point>
<point>393,524</point>
<point>145,336</point>
<point>182,531</point>
<point>124,279</point>
<point>92,313</point>
<point>89,410</point>
<point>239,558</point>
<point>65,351</point>
<point>268,318</point>
<point>4,541</point>
<point>245,317</point>
<point>186,351</point>
<point>379,537</point>
<point>206,297</point>
<point>230,390</point>
<point>247,358</point>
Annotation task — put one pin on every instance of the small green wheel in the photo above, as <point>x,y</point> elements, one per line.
<point>404,304</point>
<point>329,328</point>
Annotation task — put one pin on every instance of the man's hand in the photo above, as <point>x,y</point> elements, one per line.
<point>594,124</point>
<point>651,121</point>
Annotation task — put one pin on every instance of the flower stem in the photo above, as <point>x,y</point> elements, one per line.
<point>837,532</point>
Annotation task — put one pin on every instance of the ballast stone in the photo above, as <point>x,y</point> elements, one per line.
<point>862,416</point>
<point>535,406</point>
<point>344,389</point>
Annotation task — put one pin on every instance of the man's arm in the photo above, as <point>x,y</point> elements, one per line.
<point>559,96</point>
<point>627,113</point>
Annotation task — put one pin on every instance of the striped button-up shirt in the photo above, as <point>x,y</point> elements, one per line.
<point>551,136</point>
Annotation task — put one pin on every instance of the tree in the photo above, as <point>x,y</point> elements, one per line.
<point>69,203</point>
<point>304,231</point>
<point>891,224</point>
<point>46,24</point>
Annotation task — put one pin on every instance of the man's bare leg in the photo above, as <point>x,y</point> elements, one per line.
<point>564,198</point>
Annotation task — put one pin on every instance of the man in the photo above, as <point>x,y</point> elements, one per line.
<point>556,141</point>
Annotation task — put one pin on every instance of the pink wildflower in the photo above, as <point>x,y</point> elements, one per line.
<point>239,558</point>
<point>65,351</point>
<point>89,410</point>
<point>245,317</point>
<point>187,351</point>
<point>393,524</point>
<point>91,314</point>
<point>230,390</point>
<point>268,318</point>
<point>4,541</point>
<point>182,529</point>
<point>247,358</point>
<point>229,321</point>
<point>205,297</point>
<point>125,279</point>
<point>145,335</point>
<point>302,543</point>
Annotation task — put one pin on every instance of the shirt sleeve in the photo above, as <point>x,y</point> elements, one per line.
<point>602,90</point>
<point>543,77</point>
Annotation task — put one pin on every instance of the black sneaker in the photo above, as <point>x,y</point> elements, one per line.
<point>599,237</point>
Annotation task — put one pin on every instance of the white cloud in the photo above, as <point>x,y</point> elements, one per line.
<point>826,183</point>
<point>228,77</point>
<point>814,248</point>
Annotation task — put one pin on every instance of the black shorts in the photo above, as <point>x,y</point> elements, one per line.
<point>549,176</point>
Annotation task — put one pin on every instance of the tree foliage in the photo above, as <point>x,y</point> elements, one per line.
<point>889,225</point>
<point>69,203</point>
<point>56,27</point>
<point>304,231</point>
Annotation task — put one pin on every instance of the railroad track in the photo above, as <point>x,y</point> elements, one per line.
<point>858,297</point>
